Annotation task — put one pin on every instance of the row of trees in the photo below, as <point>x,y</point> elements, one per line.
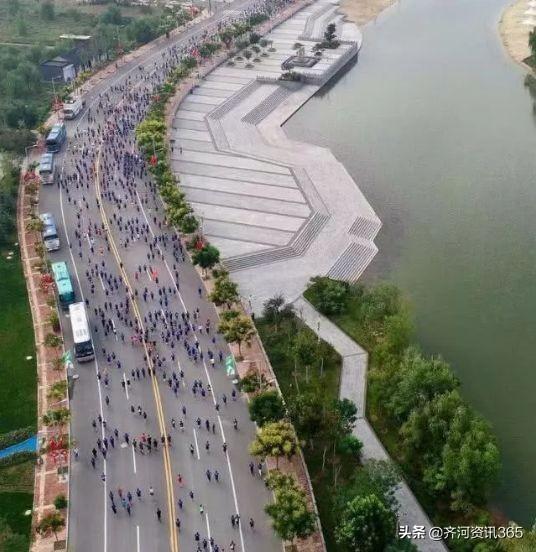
<point>443,442</point>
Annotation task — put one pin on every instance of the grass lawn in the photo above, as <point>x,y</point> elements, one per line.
<point>278,346</point>
<point>70,18</point>
<point>18,378</point>
<point>14,525</point>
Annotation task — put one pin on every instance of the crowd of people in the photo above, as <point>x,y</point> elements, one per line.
<point>132,269</point>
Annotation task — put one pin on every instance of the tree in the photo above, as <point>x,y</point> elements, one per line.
<point>350,446</point>
<point>330,35</point>
<point>366,525</point>
<point>60,502</point>
<point>291,517</point>
<point>304,349</point>
<point>51,522</point>
<point>306,412</point>
<point>424,432</point>
<point>417,381</point>
<point>471,460</point>
<point>329,296</point>
<point>275,310</point>
<point>532,42</point>
<point>207,257</point>
<point>112,16</point>
<point>266,407</point>
<point>225,292</point>
<point>48,12</point>
<point>236,328</point>
<point>275,439</point>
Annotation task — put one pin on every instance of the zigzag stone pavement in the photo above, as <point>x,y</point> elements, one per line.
<point>280,211</point>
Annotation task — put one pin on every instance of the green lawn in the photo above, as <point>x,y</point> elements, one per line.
<point>70,18</point>
<point>18,378</point>
<point>277,346</point>
<point>14,525</point>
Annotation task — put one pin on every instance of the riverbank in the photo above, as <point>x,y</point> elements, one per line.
<point>363,11</point>
<point>514,34</point>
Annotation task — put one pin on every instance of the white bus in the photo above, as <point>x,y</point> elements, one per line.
<point>47,170</point>
<point>72,107</point>
<point>83,345</point>
<point>50,232</point>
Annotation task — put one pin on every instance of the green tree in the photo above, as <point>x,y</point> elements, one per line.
<point>266,407</point>
<point>330,296</point>
<point>60,502</point>
<point>112,16</point>
<point>418,380</point>
<point>225,292</point>
<point>350,446</point>
<point>291,517</point>
<point>207,257</point>
<point>275,439</point>
<point>48,13</point>
<point>51,522</point>
<point>275,310</point>
<point>366,525</point>
<point>424,432</point>
<point>236,328</point>
<point>471,460</point>
<point>532,43</point>
<point>304,350</point>
<point>142,30</point>
<point>306,412</point>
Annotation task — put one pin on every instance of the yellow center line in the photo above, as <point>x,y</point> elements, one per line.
<point>173,538</point>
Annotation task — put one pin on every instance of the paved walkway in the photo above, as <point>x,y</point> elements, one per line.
<point>266,201</point>
<point>353,387</point>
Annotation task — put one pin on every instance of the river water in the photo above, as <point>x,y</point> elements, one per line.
<point>436,127</point>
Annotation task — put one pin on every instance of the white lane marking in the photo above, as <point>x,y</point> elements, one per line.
<point>134,459</point>
<point>126,386</point>
<point>208,528</point>
<point>196,445</point>
<point>99,387</point>
<point>148,274</point>
<point>102,282</point>
<point>124,77</point>
<point>235,497</point>
<point>138,538</point>
<point>115,330</point>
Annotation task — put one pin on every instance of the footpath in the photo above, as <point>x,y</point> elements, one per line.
<point>354,387</point>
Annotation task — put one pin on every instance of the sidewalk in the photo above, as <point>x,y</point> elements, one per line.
<point>354,388</point>
<point>51,476</point>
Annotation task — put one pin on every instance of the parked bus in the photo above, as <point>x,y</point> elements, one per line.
<point>63,284</point>
<point>47,169</point>
<point>56,137</point>
<point>83,346</point>
<point>72,107</point>
<point>50,232</point>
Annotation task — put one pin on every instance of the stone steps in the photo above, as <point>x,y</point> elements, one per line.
<point>256,115</point>
<point>234,100</point>
<point>299,246</point>
<point>311,20</point>
<point>365,228</point>
<point>353,261</point>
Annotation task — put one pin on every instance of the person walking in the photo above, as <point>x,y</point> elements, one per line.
<point>201,509</point>
<point>159,514</point>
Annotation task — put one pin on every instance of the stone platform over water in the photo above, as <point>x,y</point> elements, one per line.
<point>280,211</point>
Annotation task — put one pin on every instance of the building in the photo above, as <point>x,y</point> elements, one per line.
<point>57,69</point>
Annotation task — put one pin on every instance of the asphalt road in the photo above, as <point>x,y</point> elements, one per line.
<point>103,185</point>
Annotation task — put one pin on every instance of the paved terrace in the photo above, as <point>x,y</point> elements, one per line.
<point>280,211</point>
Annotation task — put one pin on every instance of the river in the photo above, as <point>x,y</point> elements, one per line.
<point>436,127</point>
